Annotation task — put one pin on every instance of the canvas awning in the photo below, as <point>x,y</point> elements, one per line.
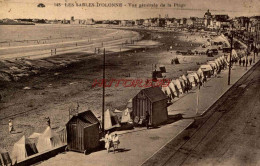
<point>126,118</point>
<point>178,84</point>
<point>206,68</point>
<point>111,120</point>
<point>22,149</point>
<point>48,140</point>
<point>173,89</point>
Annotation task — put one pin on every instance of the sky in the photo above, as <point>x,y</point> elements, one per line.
<point>185,8</point>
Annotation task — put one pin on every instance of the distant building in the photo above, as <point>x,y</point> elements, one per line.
<point>170,22</point>
<point>189,22</point>
<point>127,23</point>
<point>241,23</point>
<point>64,21</point>
<point>76,21</point>
<point>254,23</point>
<point>123,23</point>
<point>198,22</point>
<point>147,22</point>
<point>219,21</point>
<point>183,21</point>
<point>90,21</point>
<point>162,22</point>
<point>139,22</point>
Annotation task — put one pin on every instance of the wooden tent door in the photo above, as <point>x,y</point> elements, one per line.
<point>75,142</point>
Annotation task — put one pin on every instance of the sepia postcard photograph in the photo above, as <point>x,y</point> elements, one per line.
<point>129,82</point>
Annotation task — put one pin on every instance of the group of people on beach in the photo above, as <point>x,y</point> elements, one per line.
<point>111,141</point>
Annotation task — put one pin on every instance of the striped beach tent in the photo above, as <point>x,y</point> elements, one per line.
<point>173,89</point>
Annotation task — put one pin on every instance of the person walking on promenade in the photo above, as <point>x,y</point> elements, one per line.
<point>250,61</point>
<point>116,142</point>
<point>147,118</point>
<point>107,141</point>
<point>244,62</point>
<point>10,126</point>
<point>204,80</point>
<point>240,62</point>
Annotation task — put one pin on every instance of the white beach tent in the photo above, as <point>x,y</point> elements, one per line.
<point>213,64</point>
<point>234,54</point>
<point>186,80</point>
<point>221,60</point>
<point>178,85</point>
<point>184,77</point>
<point>217,62</point>
<point>226,60</point>
<point>194,74</point>
<point>183,83</point>
<point>34,135</point>
<point>206,67</point>
<point>126,118</point>
<point>173,89</point>
<point>192,80</point>
<point>48,140</point>
<point>111,120</point>
<point>117,111</point>
<point>22,149</point>
<point>207,70</point>
<point>129,104</point>
<point>200,74</point>
<point>166,90</point>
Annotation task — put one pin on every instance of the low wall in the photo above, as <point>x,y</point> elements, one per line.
<point>41,156</point>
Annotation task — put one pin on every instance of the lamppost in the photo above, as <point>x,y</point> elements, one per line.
<point>248,47</point>
<point>103,94</point>
<point>231,48</point>
<point>256,40</point>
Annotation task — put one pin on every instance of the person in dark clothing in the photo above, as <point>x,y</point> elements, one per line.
<point>244,62</point>
<point>147,118</point>
<point>250,61</point>
<point>240,62</point>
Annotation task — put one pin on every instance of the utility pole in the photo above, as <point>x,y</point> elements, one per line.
<point>255,44</point>
<point>248,50</point>
<point>231,48</point>
<point>198,93</point>
<point>103,99</point>
<point>256,40</point>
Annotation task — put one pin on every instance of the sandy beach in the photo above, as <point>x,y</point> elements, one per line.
<point>57,83</point>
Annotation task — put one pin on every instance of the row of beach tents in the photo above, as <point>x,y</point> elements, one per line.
<point>193,78</point>
<point>114,119</point>
<point>35,143</point>
<point>176,87</point>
